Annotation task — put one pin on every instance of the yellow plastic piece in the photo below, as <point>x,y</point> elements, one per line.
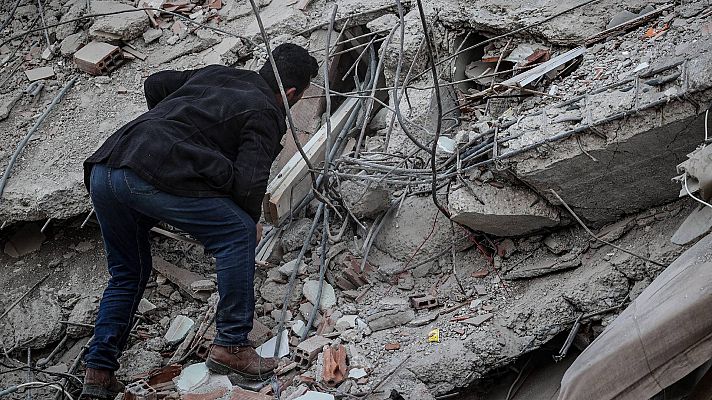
<point>434,336</point>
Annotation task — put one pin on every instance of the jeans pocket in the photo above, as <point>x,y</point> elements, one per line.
<point>136,185</point>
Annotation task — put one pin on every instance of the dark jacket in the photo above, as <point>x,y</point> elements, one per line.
<point>209,132</point>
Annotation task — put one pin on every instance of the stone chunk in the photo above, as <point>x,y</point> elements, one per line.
<point>178,330</point>
<point>84,312</point>
<point>152,35</point>
<point>196,382</point>
<point>39,73</point>
<point>508,211</point>
<point>311,395</point>
<point>98,58</point>
<point>390,318</point>
<point>137,361</point>
<point>34,322</point>
<point>71,44</point>
<point>328,296</point>
<point>125,26</point>
<point>287,268</point>
<point>346,322</point>
<point>203,285</point>
<point>478,320</point>
<point>545,265</point>
<point>363,201</point>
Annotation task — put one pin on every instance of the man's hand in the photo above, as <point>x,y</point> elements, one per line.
<point>259,234</point>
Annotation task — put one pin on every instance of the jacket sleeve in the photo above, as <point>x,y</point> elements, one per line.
<point>160,85</point>
<point>260,137</point>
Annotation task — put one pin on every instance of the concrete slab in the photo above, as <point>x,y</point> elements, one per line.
<point>507,211</point>
<point>125,26</point>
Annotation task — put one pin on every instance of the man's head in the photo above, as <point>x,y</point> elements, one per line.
<point>296,68</point>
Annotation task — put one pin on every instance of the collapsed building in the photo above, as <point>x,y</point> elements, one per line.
<point>549,135</point>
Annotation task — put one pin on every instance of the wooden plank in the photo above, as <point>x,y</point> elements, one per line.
<point>293,184</point>
<point>525,78</point>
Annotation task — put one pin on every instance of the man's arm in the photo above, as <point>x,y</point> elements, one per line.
<point>260,135</point>
<point>160,85</point>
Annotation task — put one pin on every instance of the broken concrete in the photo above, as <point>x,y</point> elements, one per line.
<point>72,43</point>
<point>507,211</point>
<point>33,323</point>
<point>328,296</point>
<point>126,26</point>
<point>84,313</point>
<point>409,230</point>
<point>365,201</point>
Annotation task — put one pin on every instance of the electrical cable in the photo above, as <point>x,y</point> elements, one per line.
<point>439,119</point>
<point>691,195</point>
<point>36,384</point>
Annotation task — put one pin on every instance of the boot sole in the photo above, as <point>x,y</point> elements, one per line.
<point>91,392</point>
<point>221,369</point>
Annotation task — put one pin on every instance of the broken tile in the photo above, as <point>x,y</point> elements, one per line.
<point>267,349</point>
<point>39,73</point>
<point>478,320</point>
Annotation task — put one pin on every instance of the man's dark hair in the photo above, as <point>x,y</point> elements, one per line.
<point>296,67</point>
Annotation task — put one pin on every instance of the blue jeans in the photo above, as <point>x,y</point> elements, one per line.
<point>127,207</point>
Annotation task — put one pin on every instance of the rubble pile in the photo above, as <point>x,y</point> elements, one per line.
<point>550,121</point>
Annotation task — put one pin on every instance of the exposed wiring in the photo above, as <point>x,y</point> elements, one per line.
<point>36,384</point>
<point>439,119</point>
<point>706,120</point>
<point>691,195</point>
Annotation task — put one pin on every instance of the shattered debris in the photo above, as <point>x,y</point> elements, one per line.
<point>604,104</point>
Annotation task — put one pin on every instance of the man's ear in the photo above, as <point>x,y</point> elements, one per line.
<point>291,93</point>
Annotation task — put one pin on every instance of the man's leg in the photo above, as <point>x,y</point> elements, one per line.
<point>125,234</point>
<point>229,234</point>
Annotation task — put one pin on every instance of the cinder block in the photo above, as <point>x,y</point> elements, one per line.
<point>140,390</point>
<point>307,350</point>
<point>423,301</point>
<point>98,58</point>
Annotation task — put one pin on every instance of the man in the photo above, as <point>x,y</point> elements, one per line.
<point>199,160</point>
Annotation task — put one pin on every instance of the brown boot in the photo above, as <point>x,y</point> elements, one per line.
<point>242,360</point>
<point>100,384</point>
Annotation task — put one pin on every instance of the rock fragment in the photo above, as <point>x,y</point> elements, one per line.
<point>389,319</point>
<point>328,295</point>
<point>178,330</point>
<point>125,26</point>
<point>84,313</point>
<point>71,44</point>
<point>506,211</point>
